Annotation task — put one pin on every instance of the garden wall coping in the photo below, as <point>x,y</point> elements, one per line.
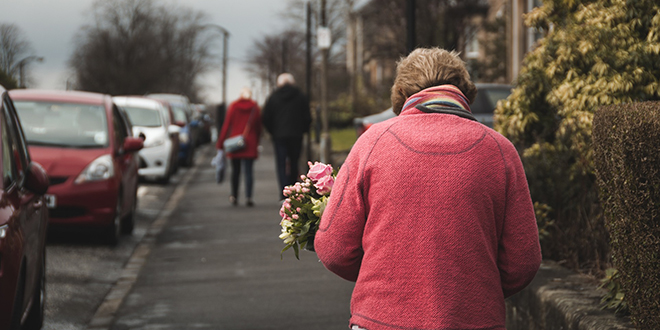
<point>559,299</point>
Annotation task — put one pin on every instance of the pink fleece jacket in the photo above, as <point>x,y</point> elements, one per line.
<point>431,216</point>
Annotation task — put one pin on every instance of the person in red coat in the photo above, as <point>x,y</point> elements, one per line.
<point>243,115</point>
<point>431,213</point>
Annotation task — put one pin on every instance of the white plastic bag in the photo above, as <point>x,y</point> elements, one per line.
<point>219,162</point>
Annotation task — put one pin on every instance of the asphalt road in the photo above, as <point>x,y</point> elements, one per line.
<point>194,262</point>
<point>81,268</point>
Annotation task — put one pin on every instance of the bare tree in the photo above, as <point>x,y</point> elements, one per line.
<point>336,17</point>
<point>439,23</point>
<point>285,51</point>
<point>137,47</point>
<point>13,47</point>
<point>6,81</point>
<point>277,53</point>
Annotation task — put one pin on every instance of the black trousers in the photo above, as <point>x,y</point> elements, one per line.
<point>247,165</point>
<point>287,155</point>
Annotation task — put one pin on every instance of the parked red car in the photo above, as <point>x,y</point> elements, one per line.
<point>84,142</point>
<point>23,225</point>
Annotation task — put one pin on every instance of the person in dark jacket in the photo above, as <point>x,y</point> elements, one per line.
<point>287,118</point>
<point>220,113</point>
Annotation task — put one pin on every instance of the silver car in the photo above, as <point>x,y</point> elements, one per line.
<point>482,107</point>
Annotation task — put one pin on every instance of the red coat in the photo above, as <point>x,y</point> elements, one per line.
<point>235,121</point>
<point>431,216</point>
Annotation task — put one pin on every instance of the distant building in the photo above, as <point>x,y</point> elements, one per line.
<point>485,44</point>
<point>493,44</point>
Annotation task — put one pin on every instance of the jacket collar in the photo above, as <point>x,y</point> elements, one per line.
<point>443,96</point>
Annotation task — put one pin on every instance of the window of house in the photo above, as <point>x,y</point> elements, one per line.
<point>533,34</point>
<point>471,43</point>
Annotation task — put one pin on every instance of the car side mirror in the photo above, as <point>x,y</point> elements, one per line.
<point>174,129</point>
<point>132,144</point>
<point>36,179</point>
<point>180,123</point>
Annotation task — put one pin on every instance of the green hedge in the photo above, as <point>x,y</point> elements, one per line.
<point>626,141</point>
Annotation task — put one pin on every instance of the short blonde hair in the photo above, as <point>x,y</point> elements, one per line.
<point>246,93</point>
<point>428,67</point>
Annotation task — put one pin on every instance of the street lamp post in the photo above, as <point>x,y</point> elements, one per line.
<point>225,45</point>
<point>410,26</point>
<point>225,52</point>
<point>324,45</point>
<point>21,64</point>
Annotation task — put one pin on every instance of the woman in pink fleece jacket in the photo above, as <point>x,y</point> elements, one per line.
<point>431,213</point>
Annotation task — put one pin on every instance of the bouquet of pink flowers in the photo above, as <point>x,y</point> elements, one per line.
<point>304,205</point>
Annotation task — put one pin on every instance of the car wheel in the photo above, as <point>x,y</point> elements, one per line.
<point>166,178</point>
<point>191,156</point>
<point>168,173</point>
<point>114,230</point>
<point>35,319</point>
<point>175,166</point>
<point>18,302</point>
<point>128,223</point>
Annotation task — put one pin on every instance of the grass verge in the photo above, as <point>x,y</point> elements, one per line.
<point>342,139</point>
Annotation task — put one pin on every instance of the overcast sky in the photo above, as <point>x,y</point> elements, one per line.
<point>50,26</point>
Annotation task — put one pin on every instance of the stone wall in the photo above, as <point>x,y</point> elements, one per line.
<point>559,299</point>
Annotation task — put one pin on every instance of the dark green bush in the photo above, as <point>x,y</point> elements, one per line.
<point>595,53</point>
<point>627,160</point>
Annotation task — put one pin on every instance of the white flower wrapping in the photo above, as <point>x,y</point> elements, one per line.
<point>303,207</point>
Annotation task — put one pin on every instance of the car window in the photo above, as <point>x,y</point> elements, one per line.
<point>18,154</point>
<point>63,124</point>
<point>8,169</point>
<point>20,134</point>
<point>165,113</point>
<point>120,127</point>
<point>497,94</point>
<point>144,117</point>
<point>170,113</point>
<point>179,113</point>
<point>128,125</point>
<point>487,98</point>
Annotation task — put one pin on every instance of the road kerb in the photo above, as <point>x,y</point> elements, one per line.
<point>104,316</point>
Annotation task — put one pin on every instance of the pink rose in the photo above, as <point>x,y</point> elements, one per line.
<point>324,185</point>
<point>318,170</point>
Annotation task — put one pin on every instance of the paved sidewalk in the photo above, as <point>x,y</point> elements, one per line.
<point>216,266</point>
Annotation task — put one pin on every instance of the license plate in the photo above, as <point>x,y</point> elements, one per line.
<point>51,201</point>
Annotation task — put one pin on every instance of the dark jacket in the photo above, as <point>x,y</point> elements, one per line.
<point>286,113</point>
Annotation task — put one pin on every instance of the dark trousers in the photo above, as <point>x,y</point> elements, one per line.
<point>247,165</point>
<point>287,155</point>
